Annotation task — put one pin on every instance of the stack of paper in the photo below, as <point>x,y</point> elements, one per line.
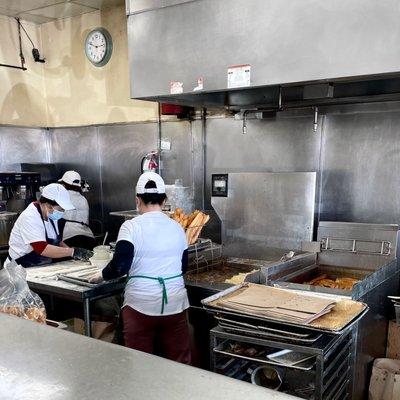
<point>277,303</point>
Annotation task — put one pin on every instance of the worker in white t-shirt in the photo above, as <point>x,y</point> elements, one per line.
<point>77,232</point>
<point>152,250</point>
<point>36,238</point>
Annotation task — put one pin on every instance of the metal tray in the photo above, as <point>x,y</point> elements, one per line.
<point>283,357</point>
<point>261,335</point>
<point>228,312</point>
<point>305,366</point>
<point>266,333</point>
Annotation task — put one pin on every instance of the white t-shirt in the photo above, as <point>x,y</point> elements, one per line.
<point>81,214</point>
<point>29,228</point>
<point>159,243</point>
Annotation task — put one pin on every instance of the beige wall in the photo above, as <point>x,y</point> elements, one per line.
<point>79,93</point>
<point>68,90</point>
<point>22,93</point>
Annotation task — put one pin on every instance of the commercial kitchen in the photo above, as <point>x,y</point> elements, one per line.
<point>199,199</point>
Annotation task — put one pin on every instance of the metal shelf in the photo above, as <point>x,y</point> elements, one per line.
<point>316,349</point>
<point>219,350</point>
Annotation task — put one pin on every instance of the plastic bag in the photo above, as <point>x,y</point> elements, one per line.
<point>180,197</point>
<point>385,382</point>
<point>15,296</point>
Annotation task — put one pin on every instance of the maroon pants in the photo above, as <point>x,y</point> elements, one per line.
<point>168,334</point>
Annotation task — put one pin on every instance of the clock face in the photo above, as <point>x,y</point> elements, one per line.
<point>98,47</point>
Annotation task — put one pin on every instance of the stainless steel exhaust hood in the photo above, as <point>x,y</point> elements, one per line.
<point>242,53</point>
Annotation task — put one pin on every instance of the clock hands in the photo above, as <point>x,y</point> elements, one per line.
<point>92,44</point>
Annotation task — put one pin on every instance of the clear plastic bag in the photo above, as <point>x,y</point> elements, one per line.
<point>180,197</point>
<point>15,296</point>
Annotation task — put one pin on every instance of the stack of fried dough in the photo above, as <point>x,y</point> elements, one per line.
<point>192,223</point>
<point>32,313</point>
<point>338,283</point>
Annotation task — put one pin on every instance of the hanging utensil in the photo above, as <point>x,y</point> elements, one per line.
<point>105,238</point>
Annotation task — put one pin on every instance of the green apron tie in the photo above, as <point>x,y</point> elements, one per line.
<point>161,281</point>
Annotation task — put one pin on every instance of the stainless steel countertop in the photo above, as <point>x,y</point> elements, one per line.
<point>42,363</point>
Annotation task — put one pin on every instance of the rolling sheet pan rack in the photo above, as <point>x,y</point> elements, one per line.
<point>225,312</point>
<point>326,379</point>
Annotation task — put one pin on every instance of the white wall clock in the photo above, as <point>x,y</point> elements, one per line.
<point>98,46</point>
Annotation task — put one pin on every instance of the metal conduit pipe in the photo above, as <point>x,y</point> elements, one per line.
<point>159,138</point>
<point>246,112</point>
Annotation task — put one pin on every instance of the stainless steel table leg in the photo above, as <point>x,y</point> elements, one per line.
<point>86,316</point>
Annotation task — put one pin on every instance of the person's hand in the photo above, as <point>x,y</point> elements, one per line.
<point>82,254</point>
<point>98,278</point>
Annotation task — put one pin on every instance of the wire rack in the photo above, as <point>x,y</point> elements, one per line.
<point>204,253</point>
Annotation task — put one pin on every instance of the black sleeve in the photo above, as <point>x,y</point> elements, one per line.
<point>121,261</point>
<point>185,261</point>
<point>61,226</point>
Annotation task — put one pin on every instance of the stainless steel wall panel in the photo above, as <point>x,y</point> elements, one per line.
<point>177,162</point>
<point>270,210</point>
<point>109,157</point>
<point>283,41</point>
<point>77,149</point>
<point>23,145</point>
<point>356,149</point>
<point>272,145</point>
<point>361,158</point>
<point>122,148</point>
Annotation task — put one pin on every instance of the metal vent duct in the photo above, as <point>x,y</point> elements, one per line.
<point>352,45</point>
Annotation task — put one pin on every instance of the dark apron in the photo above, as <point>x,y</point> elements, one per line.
<point>33,259</point>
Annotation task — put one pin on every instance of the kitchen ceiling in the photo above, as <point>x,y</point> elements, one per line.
<point>41,11</point>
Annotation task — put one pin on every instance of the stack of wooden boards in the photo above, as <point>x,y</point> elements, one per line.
<point>277,303</point>
<point>192,223</point>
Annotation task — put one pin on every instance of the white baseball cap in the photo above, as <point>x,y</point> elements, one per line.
<point>150,176</point>
<point>59,194</point>
<point>72,178</point>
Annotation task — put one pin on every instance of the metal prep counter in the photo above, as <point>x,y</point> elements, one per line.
<point>40,362</point>
<point>74,292</point>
